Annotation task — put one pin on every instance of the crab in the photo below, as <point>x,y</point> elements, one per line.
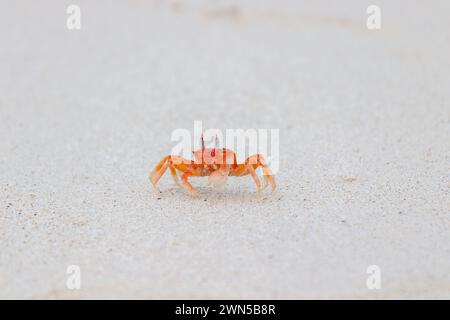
<point>215,163</point>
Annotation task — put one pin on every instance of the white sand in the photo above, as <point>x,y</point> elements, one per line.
<point>364,119</point>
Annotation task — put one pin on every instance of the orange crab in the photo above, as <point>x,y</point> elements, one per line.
<point>216,163</point>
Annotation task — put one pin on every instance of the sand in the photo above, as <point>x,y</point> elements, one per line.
<point>364,120</point>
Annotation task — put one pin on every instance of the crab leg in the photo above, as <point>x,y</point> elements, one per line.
<point>257,160</point>
<point>160,169</point>
<point>268,176</point>
<point>220,176</point>
<point>185,182</point>
<point>252,172</point>
<point>250,166</point>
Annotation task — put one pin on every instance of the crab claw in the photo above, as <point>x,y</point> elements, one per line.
<point>218,178</point>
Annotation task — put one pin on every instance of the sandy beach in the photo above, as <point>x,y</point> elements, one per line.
<point>364,123</point>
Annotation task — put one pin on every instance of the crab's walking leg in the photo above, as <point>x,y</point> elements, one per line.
<point>255,161</point>
<point>185,182</point>
<point>254,176</point>
<point>267,173</point>
<point>159,170</point>
<point>184,166</point>
<point>268,176</point>
<point>174,175</point>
